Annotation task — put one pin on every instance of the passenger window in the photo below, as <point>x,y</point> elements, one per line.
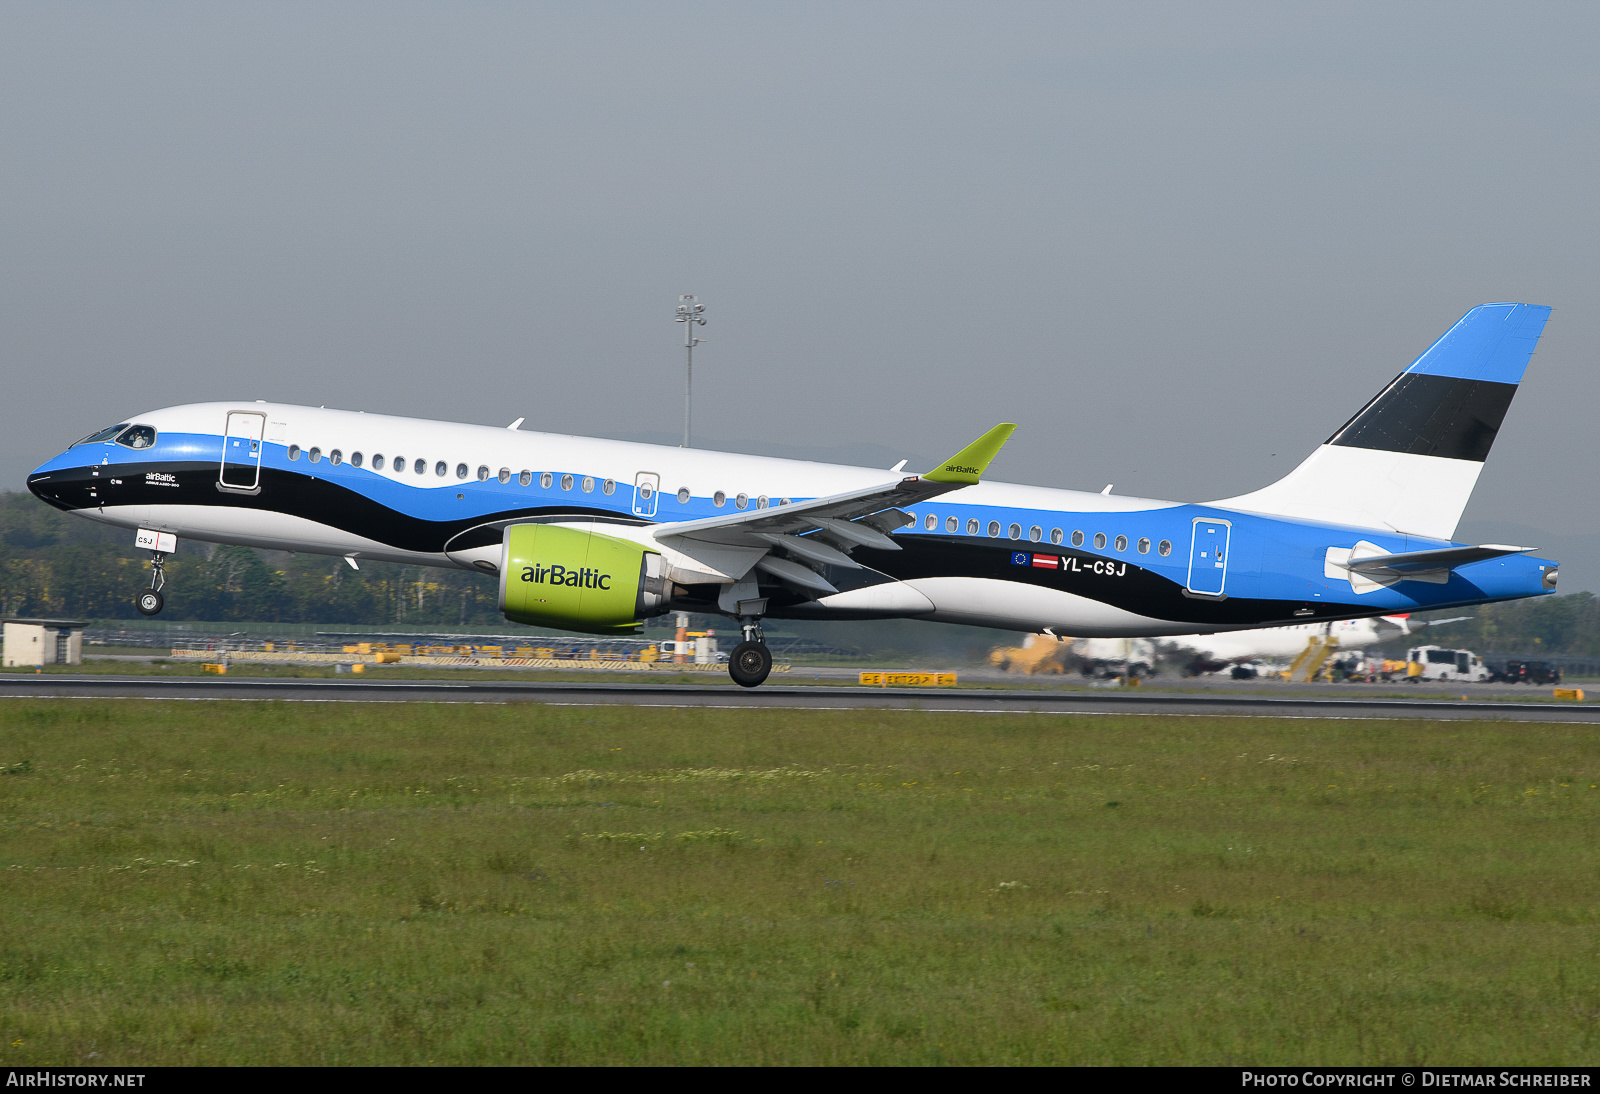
<point>719,499</point>
<point>566,482</point>
<point>1036,533</point>
<point>315,454</point>
<point>1016,531</point>
<point>930,522</point>
<point>742,501</point>
<point>336,457</point>
<point>505,474</point>
<point>1164,548</point>
<point>526,479</point>
<point>683,495</point>
<point>483,473</point>
<point>952,524</point>
<point>377,462</point>
<point>140,436</point>
<point>994,529</point>
<point>609,487</point>
<point>1099,541</point>
<point>441,467</point>
<point>588,484</point>
<point>355,459</point>
<point>461,470</point>
<point>399,465</point>
<point>761,502</point>
<point>1055,535</point>
<point>545,480</point>
<point>294,452</point>
<point>1122,543</point>
<point>1077,539</point>
<point>972,526</point>
<point>420,467</point>
<point>1144,546</point>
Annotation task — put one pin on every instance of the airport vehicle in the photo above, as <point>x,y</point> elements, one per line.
<point>595,535</point>
<point>1526,672</point>
<point>1438,663</point>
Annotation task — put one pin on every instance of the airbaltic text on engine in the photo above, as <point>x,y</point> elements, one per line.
<point>579,580</point>
<point>560,575</point>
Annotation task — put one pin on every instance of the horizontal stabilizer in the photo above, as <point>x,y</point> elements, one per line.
<point>1412,563</point>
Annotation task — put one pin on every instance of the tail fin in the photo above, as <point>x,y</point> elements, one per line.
<point>1409,460</point>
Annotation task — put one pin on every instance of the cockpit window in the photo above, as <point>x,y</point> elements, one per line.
<point>140,436</point>
<point>103,435</point>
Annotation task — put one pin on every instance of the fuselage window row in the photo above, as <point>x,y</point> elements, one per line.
<point>930,522</point>
<point>719,499</point>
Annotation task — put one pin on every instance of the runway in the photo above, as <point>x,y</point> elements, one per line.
<point>967,700</point>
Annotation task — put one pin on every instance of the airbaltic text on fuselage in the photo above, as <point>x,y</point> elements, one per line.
<point>582,578</point>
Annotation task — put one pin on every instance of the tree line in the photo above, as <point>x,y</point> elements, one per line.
<point>58,565</point>
<point>55,564</point>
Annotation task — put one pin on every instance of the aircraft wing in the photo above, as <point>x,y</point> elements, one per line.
<point>787,541</point>
<point>1429,565</point>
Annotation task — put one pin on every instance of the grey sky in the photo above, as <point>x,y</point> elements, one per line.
<point>1178,244</point>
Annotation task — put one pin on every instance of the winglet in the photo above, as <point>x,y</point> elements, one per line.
<point>965,466</point>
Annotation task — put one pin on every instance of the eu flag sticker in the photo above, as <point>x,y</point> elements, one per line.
<point>1019,558</point>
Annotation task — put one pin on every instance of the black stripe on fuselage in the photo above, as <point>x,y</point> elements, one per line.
<point>1431,416</point>
<point>287,492</point>
<point>1119,582</point>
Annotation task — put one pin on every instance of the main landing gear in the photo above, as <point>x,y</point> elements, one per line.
<point>750,663</point>
<point>149,602</point>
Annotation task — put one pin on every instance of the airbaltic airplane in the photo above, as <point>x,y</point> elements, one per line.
<point>595,535</point>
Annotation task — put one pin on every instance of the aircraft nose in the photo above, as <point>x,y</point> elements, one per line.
<point>59,483</point>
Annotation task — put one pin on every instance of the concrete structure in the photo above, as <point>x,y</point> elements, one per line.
<point>31,642</point>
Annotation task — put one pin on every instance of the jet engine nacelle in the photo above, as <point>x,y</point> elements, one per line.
<point>579,581</point>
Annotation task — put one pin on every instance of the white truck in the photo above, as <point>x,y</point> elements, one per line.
<point>1438,663</point>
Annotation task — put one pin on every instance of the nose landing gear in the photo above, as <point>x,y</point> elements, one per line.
<point>750,663</point>
<point>150,601</point>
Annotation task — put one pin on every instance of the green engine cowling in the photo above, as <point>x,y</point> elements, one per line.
<point>579,581</point>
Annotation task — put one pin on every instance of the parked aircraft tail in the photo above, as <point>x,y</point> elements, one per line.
<point>1409,460</point>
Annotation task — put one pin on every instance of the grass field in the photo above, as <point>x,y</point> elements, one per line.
<point>219,883</point>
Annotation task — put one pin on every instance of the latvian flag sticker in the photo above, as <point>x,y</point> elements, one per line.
<point>1043,562</point>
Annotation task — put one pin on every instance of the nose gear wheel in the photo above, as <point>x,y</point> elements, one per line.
<point>150,601</point>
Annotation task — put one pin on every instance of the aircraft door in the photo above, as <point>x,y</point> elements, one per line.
<point>241,452</point>
<point>1208,557</point>
<point>646,491</point>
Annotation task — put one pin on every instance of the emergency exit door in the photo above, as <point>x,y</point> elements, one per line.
<point>646,487</point>
<point>1208,557</point>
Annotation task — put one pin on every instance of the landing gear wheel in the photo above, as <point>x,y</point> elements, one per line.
<point>750,664</point>
<point>149,602</point>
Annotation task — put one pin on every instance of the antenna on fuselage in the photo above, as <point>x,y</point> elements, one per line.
<point>690,312</point>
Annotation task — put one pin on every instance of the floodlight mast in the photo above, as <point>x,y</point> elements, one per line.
<point>690,312</point>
